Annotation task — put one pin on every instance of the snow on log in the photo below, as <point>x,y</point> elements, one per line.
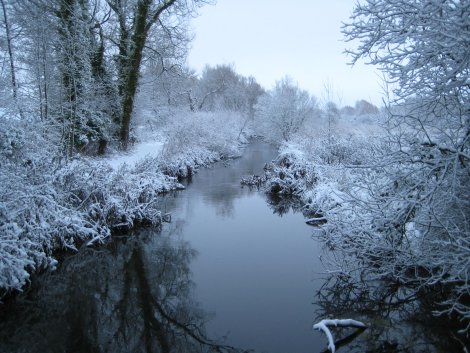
<point>323,326</point>
<point>316,221</point>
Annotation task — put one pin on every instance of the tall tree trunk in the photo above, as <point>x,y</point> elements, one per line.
<point>132,75</point>
<point>132,54</point>
<point>14,85</point>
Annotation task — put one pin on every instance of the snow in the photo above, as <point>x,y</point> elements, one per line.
<point>139,152</point>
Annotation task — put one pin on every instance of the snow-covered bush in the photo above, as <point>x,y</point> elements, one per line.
<point>113,200</point>
<point>48,205</point>
<point>289,174</point>
<point>350,149</point>
<point>19,254</point>
<point>198,139</point>
<point>11,141</point>
<point>184,164</point>
<point>43,211</point>
<point>319,176</point>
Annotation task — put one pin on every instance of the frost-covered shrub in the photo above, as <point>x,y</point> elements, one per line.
<point>289,174</point>
<point>286,180</point>
<point>18,253</point>
<point>19,141</point>
<point>343,150</point>
<point>28,203</point>
<point>198,139</point>
<point>183,165</point>
<point>113,200</point>
<point>11,141</point>
<point>45,206</point>
<point>343,146</point>
<point>337,166</point>
<point>30,217</point>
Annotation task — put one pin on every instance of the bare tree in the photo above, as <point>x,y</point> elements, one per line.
<point>11,57</point>
<point>8,34</point>
<point>284,110</point>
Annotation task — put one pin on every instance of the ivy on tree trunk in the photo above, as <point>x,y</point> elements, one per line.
<point>132,43</point>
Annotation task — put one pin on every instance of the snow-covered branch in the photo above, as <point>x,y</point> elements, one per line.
<point>324,324</point>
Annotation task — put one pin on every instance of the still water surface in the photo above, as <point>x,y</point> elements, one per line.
<point>256,270</point>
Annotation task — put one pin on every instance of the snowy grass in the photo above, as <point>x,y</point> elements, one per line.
<point>147,149</point>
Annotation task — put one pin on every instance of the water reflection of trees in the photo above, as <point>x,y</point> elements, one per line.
<point>134,296</point>
<point>399,319</point>
<point>283,204</point>
<point>222,199</point>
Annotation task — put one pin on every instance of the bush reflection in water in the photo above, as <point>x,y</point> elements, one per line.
<point>399,319</point>
<point>113,300</point>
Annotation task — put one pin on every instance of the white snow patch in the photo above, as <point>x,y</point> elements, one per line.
<point>290,148</point>
<point>137,153</point>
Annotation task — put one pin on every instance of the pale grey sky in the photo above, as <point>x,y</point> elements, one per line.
<point>269,39</point>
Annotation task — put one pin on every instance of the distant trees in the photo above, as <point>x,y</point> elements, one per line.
<point>284,110</point>
<point>410,220</point>
<point>364,107</point>
<point>220,87</point>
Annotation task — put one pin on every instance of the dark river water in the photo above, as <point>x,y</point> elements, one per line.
<point>232,272</point>
<point>257,270</point>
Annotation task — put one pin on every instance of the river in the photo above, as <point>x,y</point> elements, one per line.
<point>257,270</point>
<point>232,271</point>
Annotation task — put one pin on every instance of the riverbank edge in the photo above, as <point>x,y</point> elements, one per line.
<point>291,175</point>
<point>168,174</point>
<point>288,176</point>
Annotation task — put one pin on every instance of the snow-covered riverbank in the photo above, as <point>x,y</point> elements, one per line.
<point>49,205</point>
<point>370,203</point>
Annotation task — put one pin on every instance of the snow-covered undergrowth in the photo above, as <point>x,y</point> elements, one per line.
<point>340,161</point>
<point>189,140</point>
<point>394,212</point>
<point>199,139</point>
<point>289,174</point>
<point>48,204</point>
<point>44,210</point>
<point>319,168</point>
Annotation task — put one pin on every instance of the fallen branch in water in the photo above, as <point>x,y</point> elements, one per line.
<point>323,326</point>
<point>316,221</point>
